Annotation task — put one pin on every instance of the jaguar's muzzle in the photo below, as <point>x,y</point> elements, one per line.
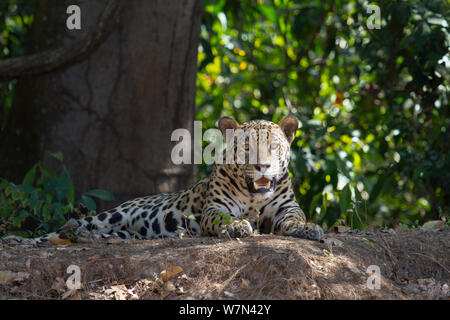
<point>261,185</point>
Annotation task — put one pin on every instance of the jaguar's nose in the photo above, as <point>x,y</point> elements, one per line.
<point>262,167</point>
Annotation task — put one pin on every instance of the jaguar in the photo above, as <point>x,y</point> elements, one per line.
<point>235,200</point>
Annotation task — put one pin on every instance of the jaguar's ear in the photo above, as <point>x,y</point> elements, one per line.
<point>227,123</point>
<point>289,126</point>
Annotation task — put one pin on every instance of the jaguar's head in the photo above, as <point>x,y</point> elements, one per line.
<point>258,151</point>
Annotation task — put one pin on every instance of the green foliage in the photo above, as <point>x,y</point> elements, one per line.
<point>224,218</point>
<point>16,17</point>
<point>372,147</point>
<point>373,104</point>
<point>41,203</point>
<point>370,243</point>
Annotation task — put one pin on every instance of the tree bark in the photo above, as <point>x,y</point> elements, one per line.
<point>111,115</point>
<point>65,55</point>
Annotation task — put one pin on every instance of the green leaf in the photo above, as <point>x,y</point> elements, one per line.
<point>63,185</point>
<point>25,188</point>
<point>23,214</point>
<point>58,209</point>
<point>46,213</point>
<point>17,221</point>
<point>269,12</point>
<point>48,171</point>
<point>88,202</point>
<point>368,242</point>
<point>100,194</point>
<point>41,181</point>
<point>3,184</point>
<point>71,194</point>
<point>49,187</point>
<point>345,199</point>
<point>30,176</point>
<point>56,155</point>
<point>34,200</point>
<point>215,8</point>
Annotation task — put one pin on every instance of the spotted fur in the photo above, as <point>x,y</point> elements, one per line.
<point>228,191</point>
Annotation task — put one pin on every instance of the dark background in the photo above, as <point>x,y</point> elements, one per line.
<point>94,108</point>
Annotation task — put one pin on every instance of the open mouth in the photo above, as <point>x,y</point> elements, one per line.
<point>261,185</point>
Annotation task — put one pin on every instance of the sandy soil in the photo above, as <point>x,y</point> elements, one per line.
<point>413,264</point>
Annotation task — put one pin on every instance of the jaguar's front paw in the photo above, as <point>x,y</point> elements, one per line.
<point>310,231</point>
<point>236,229</point>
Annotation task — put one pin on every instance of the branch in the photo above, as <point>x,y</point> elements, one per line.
<point>50,60</point>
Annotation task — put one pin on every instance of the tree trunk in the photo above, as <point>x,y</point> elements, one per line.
<point>111,115</point>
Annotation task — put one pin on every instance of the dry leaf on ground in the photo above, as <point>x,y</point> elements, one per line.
<point>71,295</point>
<point>170,273</point>
<point>58,241</point>
<point>5,276</point>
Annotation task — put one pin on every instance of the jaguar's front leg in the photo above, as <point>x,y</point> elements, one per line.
<point>292,222</point>
<point>215,222</point>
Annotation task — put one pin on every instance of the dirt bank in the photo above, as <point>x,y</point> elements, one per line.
<point>414,265</point>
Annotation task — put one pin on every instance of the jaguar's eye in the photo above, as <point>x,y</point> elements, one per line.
<point>273,146</point>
